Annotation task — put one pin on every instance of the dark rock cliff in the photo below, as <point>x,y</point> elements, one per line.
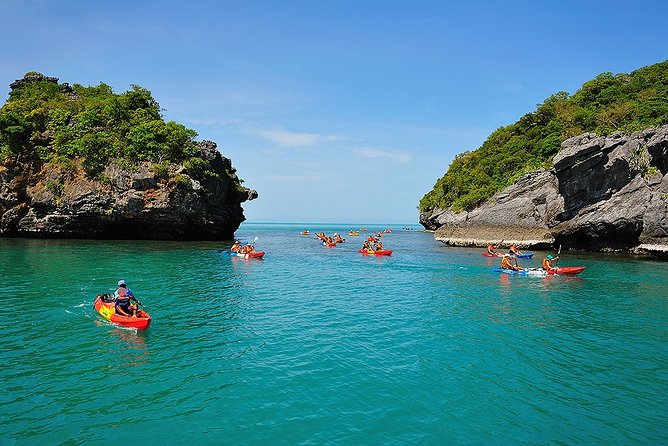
<point>603,194</point>
<point>197,196</point>
<point>46,200</point>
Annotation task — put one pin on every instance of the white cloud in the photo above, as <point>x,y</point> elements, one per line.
<point>275,135</point>
<point>292,139</point>
<point>393,156</point>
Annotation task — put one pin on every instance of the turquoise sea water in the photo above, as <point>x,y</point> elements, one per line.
<point>316,345</point>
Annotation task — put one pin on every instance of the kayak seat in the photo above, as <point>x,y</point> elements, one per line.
<point>106,297</point>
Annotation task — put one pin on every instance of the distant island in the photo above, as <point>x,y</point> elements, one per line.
<point>84,162</point>
<point>586,171</point>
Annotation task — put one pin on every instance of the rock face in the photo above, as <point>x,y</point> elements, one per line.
<point>46,200</point>
<point>603,194</point>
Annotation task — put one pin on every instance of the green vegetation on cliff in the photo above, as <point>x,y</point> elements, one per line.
<point>608,103</point>
<point>52,122</point>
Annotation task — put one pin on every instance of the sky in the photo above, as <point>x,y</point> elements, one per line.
<point>335,111</point>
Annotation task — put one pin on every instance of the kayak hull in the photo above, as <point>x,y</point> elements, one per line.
<point>382,252</point>
<point>565,271</point>
<point>568,270</point>
<point>250,255</point>
<point>526,255</point>
<point>106,310</point>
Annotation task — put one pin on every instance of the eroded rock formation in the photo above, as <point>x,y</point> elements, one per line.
<point>603,194</point>
<point>47,200</point>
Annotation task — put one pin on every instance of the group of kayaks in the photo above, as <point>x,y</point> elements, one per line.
<point>331,242</point>
<point>104,303</point>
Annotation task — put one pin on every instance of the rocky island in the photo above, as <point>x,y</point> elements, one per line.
<point>597,193</point>
<point>83,162</point>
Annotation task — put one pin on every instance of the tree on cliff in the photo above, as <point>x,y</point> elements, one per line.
<point>608,103</point>
<point>57,123</point>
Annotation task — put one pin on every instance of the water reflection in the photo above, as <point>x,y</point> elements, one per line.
<point>131,345</point>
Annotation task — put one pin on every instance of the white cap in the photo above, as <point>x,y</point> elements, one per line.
<point>121,282</point>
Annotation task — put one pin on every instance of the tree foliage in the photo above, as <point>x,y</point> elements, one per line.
<point>606,104</point>
<point>55,123</point>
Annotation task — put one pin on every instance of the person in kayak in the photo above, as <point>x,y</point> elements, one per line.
<point>338,238</point>
<point>122,303</point>
<point>379,246</point>
<point>366,246</point>
<point>491,249</point>
<point>513,250</point>
<point>547,263</point>
<point>236,247</point>
<point>507,264</point>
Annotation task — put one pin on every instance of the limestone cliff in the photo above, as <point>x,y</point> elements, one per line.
<point>57,181</point>
<point>602,194</point>
<point>51,201</point>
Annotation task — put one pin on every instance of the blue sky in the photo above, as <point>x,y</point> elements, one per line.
<point>335,111</point>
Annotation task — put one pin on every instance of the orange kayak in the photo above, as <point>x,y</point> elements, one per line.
<point>370,252</point>
<point>104,304</point>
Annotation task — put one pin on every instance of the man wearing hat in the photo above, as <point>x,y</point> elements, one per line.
<point>547,263</point>
<point>122,305</point>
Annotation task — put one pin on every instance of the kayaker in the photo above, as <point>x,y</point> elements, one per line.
<point>379,246</point>
<point>338,238</point>
<point>122,304</point>
<point>507,264</point>
<point>513,250</point>
<point>236,247</point>
<point>547,263</point>
<point>491,248</point>
<point>366,246</point>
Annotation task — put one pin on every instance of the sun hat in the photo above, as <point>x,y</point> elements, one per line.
<point>121,282</point>
<point>549,257</point>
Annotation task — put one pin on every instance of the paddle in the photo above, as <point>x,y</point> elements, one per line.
<point>557,259</point>
<point>140,304</point>
<point>253,244</point>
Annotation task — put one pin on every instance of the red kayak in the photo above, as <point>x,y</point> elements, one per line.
<point>567,270</point>
<point>371,252</point>
<point>250,255</point>
<point>104,304</point>
<point>496,254</point>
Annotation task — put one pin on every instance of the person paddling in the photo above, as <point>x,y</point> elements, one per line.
<point>547,263</point>
<point>491,249</point>
<point>506,263</point>
<point>122,304</point>
<point>513,250</point>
